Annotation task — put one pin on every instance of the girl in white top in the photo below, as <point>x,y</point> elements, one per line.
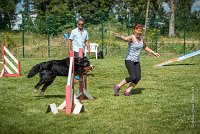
<point>135,44</point>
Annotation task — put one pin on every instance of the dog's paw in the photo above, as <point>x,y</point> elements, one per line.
<point>41,93</point>
<point>36,87</point>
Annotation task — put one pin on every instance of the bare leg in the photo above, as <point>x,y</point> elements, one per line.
<point>131,86</point>
<point>122,83</point>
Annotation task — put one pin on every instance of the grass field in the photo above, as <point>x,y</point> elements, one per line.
<point>161,103</point>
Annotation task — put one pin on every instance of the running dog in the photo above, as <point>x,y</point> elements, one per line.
<point>50,69</point>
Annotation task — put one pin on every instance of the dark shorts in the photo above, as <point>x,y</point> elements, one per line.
<point>76,54</point>
<point>134,71</point>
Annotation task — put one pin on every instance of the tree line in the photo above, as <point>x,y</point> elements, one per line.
<point>60,13</point>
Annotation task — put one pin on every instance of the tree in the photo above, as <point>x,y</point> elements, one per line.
<point>61,12</point>
<point>7,13</point>
<point>93,11</point>
<point>154,6</point>
<point>183,13</point>
<point>171,18</point>
<point>146,18</point>
<point>51,14</point>
<point>179,10</point>
<point>137,11</point>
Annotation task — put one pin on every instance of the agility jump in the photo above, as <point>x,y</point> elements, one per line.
<point>179,58</point>
<point>83,93</point>
<point>7,66</point>
<point>2,71</point>
<point>71,103</point>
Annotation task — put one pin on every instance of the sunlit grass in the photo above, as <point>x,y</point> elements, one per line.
<point>161,102</point>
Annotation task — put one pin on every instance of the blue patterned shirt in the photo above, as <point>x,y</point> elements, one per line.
<point>134,49</point>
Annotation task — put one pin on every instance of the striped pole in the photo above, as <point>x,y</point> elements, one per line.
<point>70,86</point>
<point>7,65</point>
<point>81,81</point>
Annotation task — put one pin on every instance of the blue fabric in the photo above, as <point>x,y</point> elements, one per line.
<point>77,77</point>
<point>134,49</point>
<point>78,39</point>
<point>66,36</point>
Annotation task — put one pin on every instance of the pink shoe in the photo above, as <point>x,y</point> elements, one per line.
<point>127,93</point>
<point>116,90</point>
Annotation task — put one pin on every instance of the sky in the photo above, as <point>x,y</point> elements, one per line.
<point>19,7</point>
<point>196,5</point>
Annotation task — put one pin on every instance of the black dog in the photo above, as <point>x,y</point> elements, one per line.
<point>50,69</point>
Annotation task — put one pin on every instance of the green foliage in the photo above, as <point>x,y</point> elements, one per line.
<point>7,11</point>
<point>10,43</point>
<point>137,11</point>
<point>178,49</point>
<point>152,33</point>
<point>41,25</point>
<point>93,11</point>
<point>61,14</point>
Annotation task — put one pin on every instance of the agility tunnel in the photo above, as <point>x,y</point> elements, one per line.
<point>179,58</point>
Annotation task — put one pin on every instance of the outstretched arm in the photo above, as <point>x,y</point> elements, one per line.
<point>150,51</point>
<point>127,38</point>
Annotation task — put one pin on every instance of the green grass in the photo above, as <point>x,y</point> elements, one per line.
<point>161,102</point>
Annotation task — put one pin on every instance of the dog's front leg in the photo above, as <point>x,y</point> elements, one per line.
<point>37,86</point>
<point>46,85</point>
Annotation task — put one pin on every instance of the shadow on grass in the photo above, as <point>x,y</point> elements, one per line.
<point>50,96</point>
<point>137,91</point>
<point>182,64</point>
<point>57,96</point>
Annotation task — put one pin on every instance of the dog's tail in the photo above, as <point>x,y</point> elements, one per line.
<point>34,71</point>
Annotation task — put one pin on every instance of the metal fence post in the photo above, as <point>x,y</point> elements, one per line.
<point>184,45</point>
<point>156,33</point>
<point>102,33</point>
<point>48,32</point>
<point>22,36</point>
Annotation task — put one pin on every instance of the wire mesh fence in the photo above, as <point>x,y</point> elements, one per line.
<point>43,37</point>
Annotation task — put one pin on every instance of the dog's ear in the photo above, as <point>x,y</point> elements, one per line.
<point>78,61</point>
<point>85,59</point>
<point>86,62</point>
<point>82,62</point>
